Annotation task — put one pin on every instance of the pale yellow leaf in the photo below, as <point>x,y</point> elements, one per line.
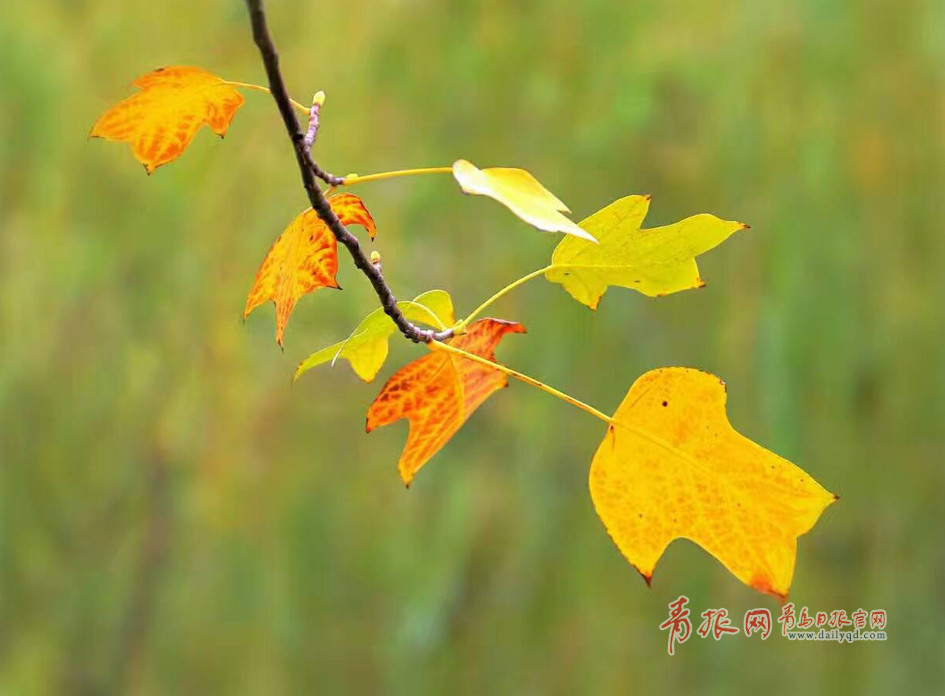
<point>521,193</point>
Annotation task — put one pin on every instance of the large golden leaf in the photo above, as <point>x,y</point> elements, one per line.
<point>672,466</point>
<point>655,261</point>
<point>304,259</point>
<point>174,102</point>
<point>438,392</point>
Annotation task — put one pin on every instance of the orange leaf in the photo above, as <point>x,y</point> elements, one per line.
<point>304,259</point>
<point>438,392</point>
<point>160,121</point>
<point>672,466</point>
<point>351,211</point>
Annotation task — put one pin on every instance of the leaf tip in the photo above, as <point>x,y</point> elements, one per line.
<point>763,584</point>
<point>744,226</point>
<point>509,326</point>
<point>579,232</point>
<point>406,476</point>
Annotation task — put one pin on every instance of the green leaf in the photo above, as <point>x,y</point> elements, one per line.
<point>366,348</point>
<point>655,262</point>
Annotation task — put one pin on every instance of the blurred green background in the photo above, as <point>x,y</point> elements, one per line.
<point>177,517</point>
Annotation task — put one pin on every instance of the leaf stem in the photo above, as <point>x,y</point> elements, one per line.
<point>355,179</point>
<point>501,293</point>
<point>260,88</point>
<point>434,319</point>
<point>437,345</point>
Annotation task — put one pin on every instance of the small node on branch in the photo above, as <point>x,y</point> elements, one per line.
<point>376,260</point>
<point>312,131</point>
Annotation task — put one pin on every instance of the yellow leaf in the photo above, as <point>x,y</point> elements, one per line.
<point>366,348</point>
<point>656,261</point>
<point>521,193</point>
<point>303,259</point>
<point>672,466</point>
<point>160,121</point>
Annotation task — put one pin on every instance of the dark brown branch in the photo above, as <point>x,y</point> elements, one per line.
<point>309,170</point>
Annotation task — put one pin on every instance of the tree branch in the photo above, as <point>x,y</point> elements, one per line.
<point>309,170</point>
<point>327,177</point>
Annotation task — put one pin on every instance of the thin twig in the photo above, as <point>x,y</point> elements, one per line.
<point>327,177</point>
<point>309,170</point>
<point>309,140</point>
<point>312,131</point>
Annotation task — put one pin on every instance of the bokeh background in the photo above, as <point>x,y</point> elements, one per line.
<point>179,518</point>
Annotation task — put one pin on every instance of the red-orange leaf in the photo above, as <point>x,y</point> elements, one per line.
<point>174,102</point>
<point>438,392</point>
<point>304,259</point>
